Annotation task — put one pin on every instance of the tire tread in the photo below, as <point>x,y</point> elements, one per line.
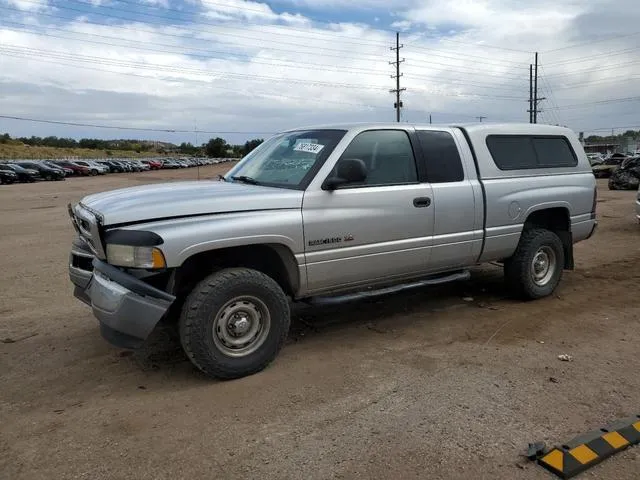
<point>193,328</point>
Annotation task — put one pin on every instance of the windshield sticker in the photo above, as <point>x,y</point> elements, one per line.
<point>308,147</point>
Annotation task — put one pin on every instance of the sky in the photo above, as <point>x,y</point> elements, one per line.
<point>189,70</point>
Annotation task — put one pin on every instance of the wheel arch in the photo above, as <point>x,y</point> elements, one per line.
<point>273,259</point>
<point>557,219</point>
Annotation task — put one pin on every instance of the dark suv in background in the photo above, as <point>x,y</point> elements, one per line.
<point>24,174</point>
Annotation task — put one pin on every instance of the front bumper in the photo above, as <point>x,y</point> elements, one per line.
<point>127,308</point>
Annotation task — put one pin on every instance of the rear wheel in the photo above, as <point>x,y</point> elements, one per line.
<point>536,267</point>
<point>234,323</point>
<point>93,172</point>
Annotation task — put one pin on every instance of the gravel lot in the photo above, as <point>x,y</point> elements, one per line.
<point>416,385</point>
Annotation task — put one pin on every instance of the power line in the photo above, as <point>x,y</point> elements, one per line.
<point>368,56</point>
<point>591,42</point>
<point>486,60</point>
<point>483,45</point>
<point>593,69</point>
<point>93,7</point>
<point>244,8</point>
<point>141,129</point>
<point>550,94</point>
<point>615,79</point>
<point>46,59</point>
<point>208,84</point>
<point>177,69</point>
<point>599,102</point>
<point>300,65</point>
<point>610,128</point>
<point>261,40</point>
<point>609,54</point>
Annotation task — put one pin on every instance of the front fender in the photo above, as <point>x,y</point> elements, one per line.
<point>185,237</point>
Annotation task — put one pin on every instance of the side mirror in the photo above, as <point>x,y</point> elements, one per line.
<point>348,170</point>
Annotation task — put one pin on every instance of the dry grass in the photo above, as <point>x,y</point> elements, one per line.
<point>15,151</point>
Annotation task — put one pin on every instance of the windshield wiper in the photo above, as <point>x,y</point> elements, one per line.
<point>245,179</point>
<point>222,177</point>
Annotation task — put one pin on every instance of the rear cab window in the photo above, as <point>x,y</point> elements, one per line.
<point>521,152</point>
<point>442,158</point>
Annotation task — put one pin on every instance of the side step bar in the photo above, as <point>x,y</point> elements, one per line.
<point>430,281</point>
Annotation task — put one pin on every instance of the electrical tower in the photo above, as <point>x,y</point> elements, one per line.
<point>534,100</point>
<point>398,104</point>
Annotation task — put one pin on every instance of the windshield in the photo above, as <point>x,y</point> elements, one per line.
<point>288,160</point>
<point>16,168</point>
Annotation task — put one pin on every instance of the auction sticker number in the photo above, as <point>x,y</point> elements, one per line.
<point>308,147</point>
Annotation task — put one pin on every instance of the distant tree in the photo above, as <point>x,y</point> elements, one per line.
<point>216,147</point>
<point>5,138</point>
<point>187,148</point>
<point>251,144</point>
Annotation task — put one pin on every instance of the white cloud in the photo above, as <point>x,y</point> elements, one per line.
<point>401,25</point>
<point>154,76</point>
<point>157,3</point>
<point>27,6</point>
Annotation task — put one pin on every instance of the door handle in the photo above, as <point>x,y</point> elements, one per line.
<point>421,202</point>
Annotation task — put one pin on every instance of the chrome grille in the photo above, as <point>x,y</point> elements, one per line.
<point>86,224</point>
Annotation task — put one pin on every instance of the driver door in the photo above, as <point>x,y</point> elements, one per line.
<point>376,231</point>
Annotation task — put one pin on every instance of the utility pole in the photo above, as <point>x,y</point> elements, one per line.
<point>429,119</point>
<point>398,104</point>
<point>535,92</point>
<point>530,93</point>
<point>481,117</point>
<point>195,130</point>
<point>534,99</point>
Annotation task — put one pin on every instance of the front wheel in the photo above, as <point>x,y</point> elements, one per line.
<point>94,172</point>
<point>234,323</point>
<point>535,269</point>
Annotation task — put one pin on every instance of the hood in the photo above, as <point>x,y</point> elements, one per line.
<point>183,199</point>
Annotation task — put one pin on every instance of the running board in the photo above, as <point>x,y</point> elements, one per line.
<point>435,280</point>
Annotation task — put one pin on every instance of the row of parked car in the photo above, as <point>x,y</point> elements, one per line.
<point>33,170</point>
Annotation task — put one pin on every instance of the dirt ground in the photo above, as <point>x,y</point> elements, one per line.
<point>416,385</point>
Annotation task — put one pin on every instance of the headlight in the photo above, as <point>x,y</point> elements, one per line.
<point>135,257</point>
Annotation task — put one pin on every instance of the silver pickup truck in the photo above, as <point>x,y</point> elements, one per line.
<point>326,212</point>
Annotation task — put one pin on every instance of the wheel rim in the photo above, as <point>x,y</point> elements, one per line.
<point>543,266</point>
<point>241,326</point>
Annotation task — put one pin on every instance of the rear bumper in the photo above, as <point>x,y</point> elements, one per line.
<point>127,308</point>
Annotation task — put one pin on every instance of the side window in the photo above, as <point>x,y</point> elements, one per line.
<point>554,152</point>
<point>512,152</point>
<point>387,155</point>
<point>515,152</point>
<point>442,156</point>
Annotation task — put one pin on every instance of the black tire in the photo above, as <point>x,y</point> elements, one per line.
<point>213,301</point>
<point>520,273</point>
<point>94,172</point>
